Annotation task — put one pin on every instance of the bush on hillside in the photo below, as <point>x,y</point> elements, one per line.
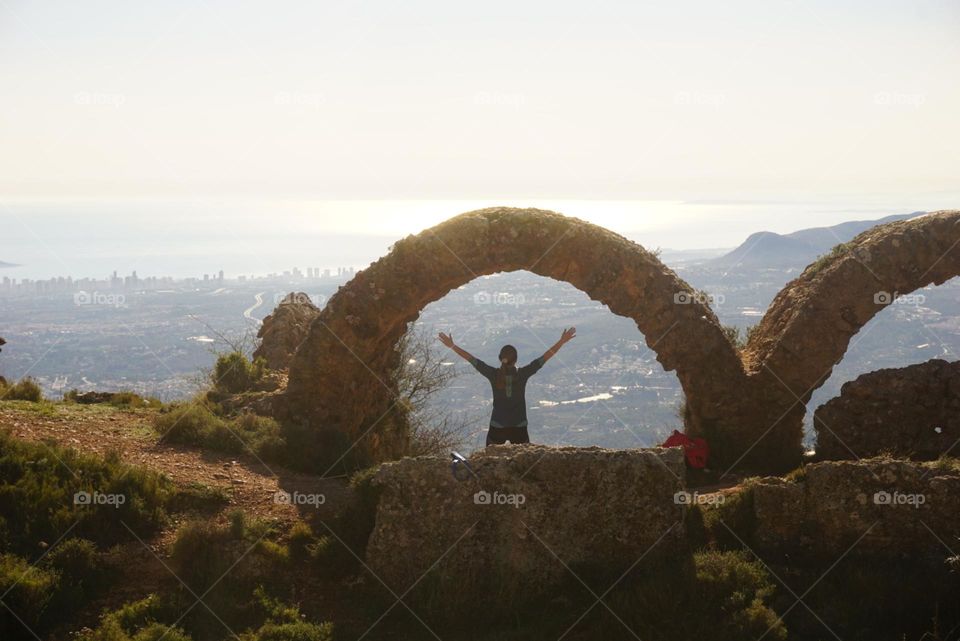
<point>81,569</point>
<point>234,373</point>
<point>228,563</point>
<point>27,591</point>
<point>26,389</point>
<point>146,620</point>
<point>44,491</point>
<point>196,424</point>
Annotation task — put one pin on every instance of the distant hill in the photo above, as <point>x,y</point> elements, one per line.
<point>3,264</point>
<point>797,249</point>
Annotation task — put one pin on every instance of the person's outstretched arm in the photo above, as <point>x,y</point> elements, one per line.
<point>567,336</point>
<point>447,340</point>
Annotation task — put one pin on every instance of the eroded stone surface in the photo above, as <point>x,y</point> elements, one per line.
<point>282,331</point>
<point>912,412</point>
<point>604,508</point>
<point>875,508</point>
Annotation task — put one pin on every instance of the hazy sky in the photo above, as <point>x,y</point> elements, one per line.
<point>493,100</point>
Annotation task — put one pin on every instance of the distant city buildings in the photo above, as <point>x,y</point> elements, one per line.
<point>10,287</point>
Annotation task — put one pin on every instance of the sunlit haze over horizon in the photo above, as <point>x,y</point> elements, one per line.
<point>183,136</point>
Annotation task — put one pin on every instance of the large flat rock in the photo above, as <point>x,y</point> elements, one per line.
<point>529,513</point>
<point>875,508</point>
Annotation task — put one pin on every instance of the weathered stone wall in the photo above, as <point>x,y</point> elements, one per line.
<point>588,508</point>
<point>912,412</point>
<point>282,331</point>
<point>579,506</point>
<point>873,508</point>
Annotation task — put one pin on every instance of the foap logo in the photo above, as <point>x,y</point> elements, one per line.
<point>299,298</point>
<point>99,498</point>
<point>704,298</point>
<point>898,498</point>
<point>499,498</point>
<point>94,99</point>
<point>299,99</point>
<point>496,99</point>
<point>695,498</point>
<point>299,499</point>
<point>894,298</point>
<point>504,299</point>
<point>83,298</point>
<point>898,99</point>
<point>699,99</point>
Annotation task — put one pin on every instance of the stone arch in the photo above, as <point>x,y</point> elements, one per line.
<point>809,325</point>
<point>341,376</point>
<point>749,405</point>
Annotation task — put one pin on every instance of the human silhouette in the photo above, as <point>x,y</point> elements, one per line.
<point>509,419</point>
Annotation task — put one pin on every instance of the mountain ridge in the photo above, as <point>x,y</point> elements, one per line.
<point>799,248</point>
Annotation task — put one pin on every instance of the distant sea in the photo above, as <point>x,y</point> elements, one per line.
<point>191,238</point>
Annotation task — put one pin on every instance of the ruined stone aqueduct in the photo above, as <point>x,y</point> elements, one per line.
<point>749,404</point>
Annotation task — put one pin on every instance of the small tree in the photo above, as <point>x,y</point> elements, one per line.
<point>423,374</point>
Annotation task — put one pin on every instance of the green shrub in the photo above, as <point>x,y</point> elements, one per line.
<point>739,338</point>
<point>200,497</point>
<point>26,389</point>
<point>189,424</point>
<point>298,631</point>
<point>284,623</point>
<point>123,624</point>
<point>196,424</point>
<point>733,589</point>
<point>260,434</point>
<point>111,630</point>
<point>235,374</point>
<point>135,401</point>
<point>39,489</point>
<point>300,539</point>
<point>227,563</point>
<point>824,260</point>
<point>45,594</point>
<point>730,524</point>
<point>42,488</point>
<point>201,423</point>
<point>81,569</point>
<point>27,591</point>
<point>734,335</point>
<point>160,632</point>
<point>149,620</point>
